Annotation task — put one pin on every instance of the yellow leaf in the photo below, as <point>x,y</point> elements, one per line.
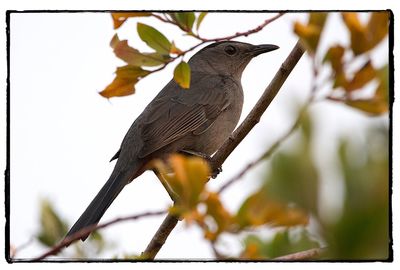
<point>258,210</point>
<point>216,210</point>
<point>182,75</point>
<point>120,17</point>
<point>124,82</point>
<point>187,178</point>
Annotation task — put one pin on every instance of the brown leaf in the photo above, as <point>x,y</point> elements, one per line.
<point>366,37</point>
<point>364,75</point>
<point>334,56</point>
<point>124,82</point>
<point>310,34</point>
<point>358,34</point>
<point>120,17</point>
<point>133,57</point>
<point>378,27</point>
<point>373,106</point>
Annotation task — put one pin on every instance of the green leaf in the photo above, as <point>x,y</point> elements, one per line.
<point>182,74</point>
<point>200,19</point>
<point>53,228</point>
<point>120,17</point>
<point>124,82</point>
<point>184,20</point>
<point>154,38</point>
<point>135,58</point>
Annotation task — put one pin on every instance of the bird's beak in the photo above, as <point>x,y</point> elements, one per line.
<point>259,49</point>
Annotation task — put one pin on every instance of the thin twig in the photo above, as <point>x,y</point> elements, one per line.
<point>208,40</point>
<point>233,141</point>
<point>68,240</point>
<point>302,255</point>
<point>241,34</point>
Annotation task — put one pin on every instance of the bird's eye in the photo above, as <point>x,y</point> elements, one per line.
<point>230,50</point>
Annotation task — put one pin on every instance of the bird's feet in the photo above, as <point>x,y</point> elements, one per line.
<point>215,173</point>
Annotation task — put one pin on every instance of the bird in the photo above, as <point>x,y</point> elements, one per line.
<point>195,120</point>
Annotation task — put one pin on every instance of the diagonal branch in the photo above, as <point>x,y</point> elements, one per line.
<point>70,239</point>
<point>233,141</point>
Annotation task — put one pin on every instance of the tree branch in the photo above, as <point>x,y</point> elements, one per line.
<point>68,240</point>
<point>233,141</point>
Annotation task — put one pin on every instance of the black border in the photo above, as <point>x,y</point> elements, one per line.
<point>7,170</point>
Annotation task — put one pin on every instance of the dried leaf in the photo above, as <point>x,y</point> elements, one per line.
<point>373,106</point>
<point>364,75</point>
<point>310,33</point>
<point>135,58</point>
<point>366,37</point>
<point>182,74</point>
<point>120,17</point>
<point>154,38</point>
<point>378,27</point>
<point>124,82</point>
<point>200,19</point>
<point>334,56</point>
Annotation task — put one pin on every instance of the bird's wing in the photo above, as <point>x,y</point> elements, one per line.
<point>170,119</point>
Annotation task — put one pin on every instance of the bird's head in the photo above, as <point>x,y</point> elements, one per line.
<point>227,57</point>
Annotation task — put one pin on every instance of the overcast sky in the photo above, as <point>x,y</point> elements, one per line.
<point>63,133</point>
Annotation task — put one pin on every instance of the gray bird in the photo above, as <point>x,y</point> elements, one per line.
<point>195,121</point>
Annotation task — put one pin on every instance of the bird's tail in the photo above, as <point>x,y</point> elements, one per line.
<point>100,203</point>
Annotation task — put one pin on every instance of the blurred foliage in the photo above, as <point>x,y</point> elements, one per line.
<point>282,243</point>
<point>348,82</point>
<point>53,229</point>
<point>293,176</point>
<point>362,231</point>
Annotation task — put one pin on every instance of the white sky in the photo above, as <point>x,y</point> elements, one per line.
<point>63,133</point>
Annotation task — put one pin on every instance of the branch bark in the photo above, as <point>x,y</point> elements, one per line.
<point>233,141</point>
